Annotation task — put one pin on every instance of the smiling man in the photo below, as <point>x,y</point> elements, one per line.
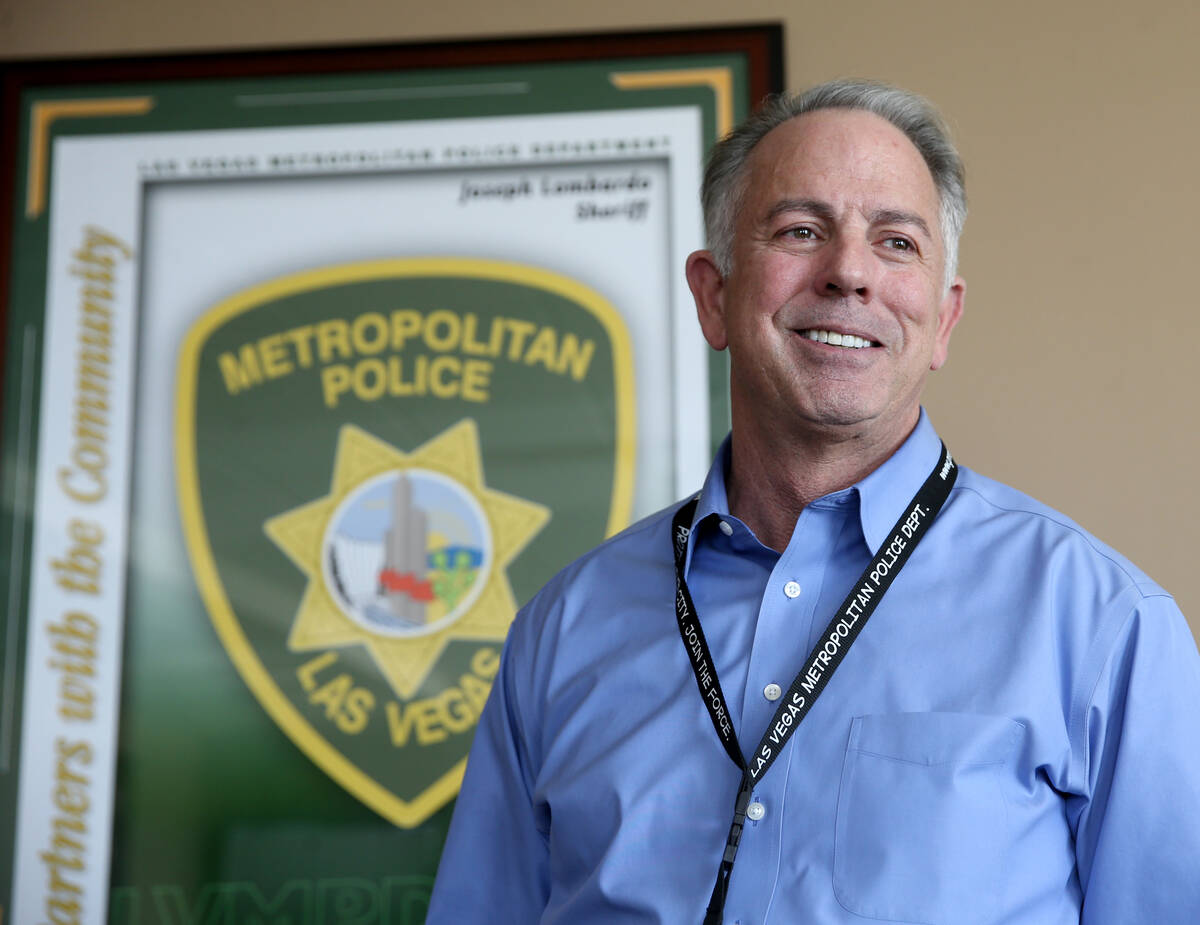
<point>834,303</point>
<point>696,722</point>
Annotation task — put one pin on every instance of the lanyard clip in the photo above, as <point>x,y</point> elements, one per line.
<point>739,822</point>
<point>716,905</point>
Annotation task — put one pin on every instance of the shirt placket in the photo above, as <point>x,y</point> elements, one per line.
<point>782,636</point>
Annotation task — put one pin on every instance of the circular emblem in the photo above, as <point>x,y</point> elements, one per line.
<point>407,553</point>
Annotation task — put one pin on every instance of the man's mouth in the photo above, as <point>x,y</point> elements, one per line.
<point>853,341</point>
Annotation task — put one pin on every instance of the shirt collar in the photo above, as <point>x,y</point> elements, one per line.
<point>885,493</point>
<point>713,498</point>
<point>882,496</point>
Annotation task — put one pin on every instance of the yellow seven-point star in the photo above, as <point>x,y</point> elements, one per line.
<point>405,661</point>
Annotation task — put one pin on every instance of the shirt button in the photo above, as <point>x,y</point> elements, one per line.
<point>772,691</point>
<point>791,589</point>
<point>756,811</point>
<point>725,528</point>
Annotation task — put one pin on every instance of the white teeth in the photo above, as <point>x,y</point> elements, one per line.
<point>833,337</point>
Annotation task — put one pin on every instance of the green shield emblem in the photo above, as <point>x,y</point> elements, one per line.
<point>375,463</point>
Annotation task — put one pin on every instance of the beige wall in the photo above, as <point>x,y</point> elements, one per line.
<point>1075,374</point>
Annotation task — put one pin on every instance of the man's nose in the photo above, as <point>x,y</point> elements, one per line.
<point>846,269</point>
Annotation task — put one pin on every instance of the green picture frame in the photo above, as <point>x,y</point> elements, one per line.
<point>255,302</point>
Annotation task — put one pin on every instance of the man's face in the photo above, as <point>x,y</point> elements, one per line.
<point>837,239</point>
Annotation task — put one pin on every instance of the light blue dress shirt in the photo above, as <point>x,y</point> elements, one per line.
<point>1014,738</point>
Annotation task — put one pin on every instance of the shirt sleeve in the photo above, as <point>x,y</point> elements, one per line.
<point>495,864</point>
<point>1138,835</point>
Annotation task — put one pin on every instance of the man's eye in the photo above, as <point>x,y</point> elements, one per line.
<point>899,244</point>
<point>800,234</point>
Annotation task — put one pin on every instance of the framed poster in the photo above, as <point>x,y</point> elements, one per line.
<point>318,365</point>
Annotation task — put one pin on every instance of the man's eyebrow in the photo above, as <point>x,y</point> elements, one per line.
<point>817,207</point>
<point>900,217</point>
<point>823,210</point>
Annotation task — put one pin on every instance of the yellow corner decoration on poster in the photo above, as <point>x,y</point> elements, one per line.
<point>403,813</point>
<point>720,79</point>
<point>42,115</point>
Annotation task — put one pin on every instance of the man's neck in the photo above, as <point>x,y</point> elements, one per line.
<point>773,476</point>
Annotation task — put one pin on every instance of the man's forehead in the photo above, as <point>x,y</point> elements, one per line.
<point>839,145</point>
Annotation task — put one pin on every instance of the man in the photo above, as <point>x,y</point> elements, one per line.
<point>1011,739</point>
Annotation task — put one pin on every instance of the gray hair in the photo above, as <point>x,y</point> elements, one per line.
<point>724,179</point>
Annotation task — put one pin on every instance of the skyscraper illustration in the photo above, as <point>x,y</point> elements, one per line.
<point>403,578</point>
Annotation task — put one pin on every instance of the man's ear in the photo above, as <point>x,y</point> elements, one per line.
<point>949,312</point>
<point>708,291</point>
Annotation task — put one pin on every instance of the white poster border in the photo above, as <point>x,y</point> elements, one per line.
<point>62,850</point>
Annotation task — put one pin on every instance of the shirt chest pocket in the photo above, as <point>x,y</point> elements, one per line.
<point>923,825</point>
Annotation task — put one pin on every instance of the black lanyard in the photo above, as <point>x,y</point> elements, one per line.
<point>822,661</point>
